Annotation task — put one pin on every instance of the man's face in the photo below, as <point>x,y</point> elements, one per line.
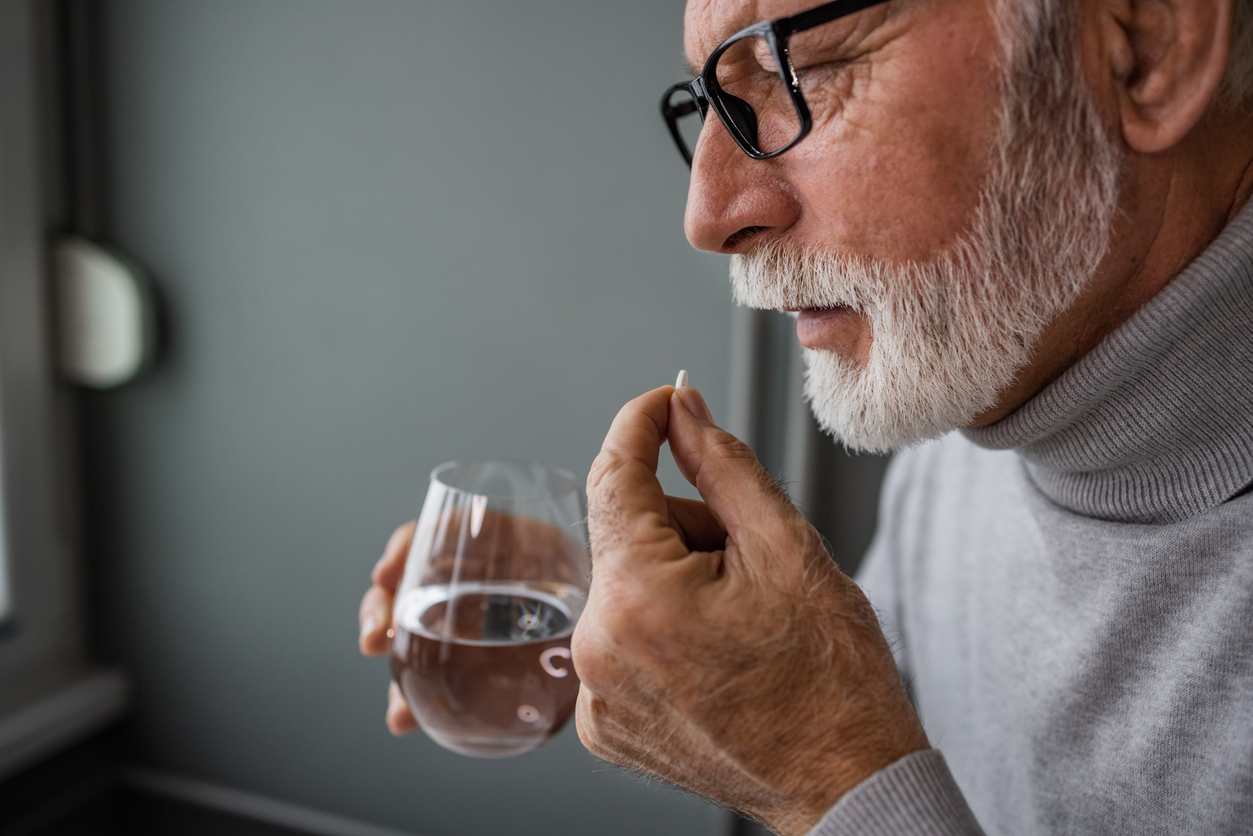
<point>904,103</point>
<point>935,221</point>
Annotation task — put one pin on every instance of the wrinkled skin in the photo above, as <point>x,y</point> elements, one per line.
<point>721,648</point>
<point>904,97</point>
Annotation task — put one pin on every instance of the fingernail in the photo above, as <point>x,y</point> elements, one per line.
<point>695,404</point>
<point>368,625</point>
<point>682,381</point>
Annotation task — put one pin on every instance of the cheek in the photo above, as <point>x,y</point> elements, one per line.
<point>896,172</point>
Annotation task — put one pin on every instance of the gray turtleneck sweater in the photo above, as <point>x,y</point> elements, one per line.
<point>1070,590</point>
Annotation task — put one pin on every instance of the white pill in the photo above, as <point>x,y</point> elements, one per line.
<point>682,381</point>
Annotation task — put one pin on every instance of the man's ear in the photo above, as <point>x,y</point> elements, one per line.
<point>1168,58</point>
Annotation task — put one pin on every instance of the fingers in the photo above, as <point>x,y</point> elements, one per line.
<point>740,493</point>
<point>627,464</point>
<point>626,505</point>
<point>696,524</point>
<point>375,615</point>
<point>391,566</point>
<point>375,619</point>
<point>400,720</point>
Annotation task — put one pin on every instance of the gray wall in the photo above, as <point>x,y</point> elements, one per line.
<point>387,234</point>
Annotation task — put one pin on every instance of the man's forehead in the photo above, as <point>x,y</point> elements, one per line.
<point>708,23</point>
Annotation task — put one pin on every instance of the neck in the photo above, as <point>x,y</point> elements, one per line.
<point>1172,206</point>
<point>1154,424</point>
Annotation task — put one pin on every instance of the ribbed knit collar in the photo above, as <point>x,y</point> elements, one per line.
<point>1155,424</point>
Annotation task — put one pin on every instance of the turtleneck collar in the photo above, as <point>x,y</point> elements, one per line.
<point>1156,423</point>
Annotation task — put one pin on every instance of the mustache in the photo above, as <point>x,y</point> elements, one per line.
<point>774,275</point>
<point>785,277</point>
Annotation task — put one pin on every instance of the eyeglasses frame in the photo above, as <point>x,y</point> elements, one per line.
<point>776,33</point>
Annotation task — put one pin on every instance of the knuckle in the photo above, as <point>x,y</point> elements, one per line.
<point>588,730</point>
<point>595,730</point>
<point>799,557</point>
<point>607,526</point>
<point>729,447</point>
<point>606,464</point>
<point>589,663</point>
<point>593,663</point>
<point>587,738</point>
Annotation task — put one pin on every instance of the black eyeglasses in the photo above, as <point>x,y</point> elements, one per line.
<point>765,116</point>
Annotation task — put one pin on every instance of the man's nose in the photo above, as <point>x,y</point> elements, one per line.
<point>734,200</point>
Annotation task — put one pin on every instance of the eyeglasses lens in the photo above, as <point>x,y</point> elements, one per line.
<point>687,117</point>
<point>755,97</point>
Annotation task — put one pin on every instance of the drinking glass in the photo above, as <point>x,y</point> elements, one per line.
<point>496,579</point>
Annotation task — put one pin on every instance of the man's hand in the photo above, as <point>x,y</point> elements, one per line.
<point>375,618</point>
<point>721,648</point>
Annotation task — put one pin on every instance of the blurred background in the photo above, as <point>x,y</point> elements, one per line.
<point>380,235</point>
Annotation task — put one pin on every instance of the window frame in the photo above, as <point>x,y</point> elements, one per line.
<point>50,693</point>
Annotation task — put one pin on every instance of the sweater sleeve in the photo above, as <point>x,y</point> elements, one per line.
<point>916,796</point>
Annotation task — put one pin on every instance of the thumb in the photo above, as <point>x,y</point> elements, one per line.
<point>738,490</point>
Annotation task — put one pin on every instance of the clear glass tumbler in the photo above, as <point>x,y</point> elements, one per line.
<point>496,579</point>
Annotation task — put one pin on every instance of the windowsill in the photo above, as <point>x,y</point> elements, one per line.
<point>48,707</point>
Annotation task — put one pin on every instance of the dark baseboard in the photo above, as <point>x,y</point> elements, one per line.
<point>81,792</point>
<point>58,787</point>
<point>94,789</point>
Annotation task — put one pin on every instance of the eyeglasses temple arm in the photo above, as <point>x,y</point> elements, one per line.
<point>825,13</point>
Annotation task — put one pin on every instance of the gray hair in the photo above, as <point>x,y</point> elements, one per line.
<point>1023,19</point>
<point>1237,86</point>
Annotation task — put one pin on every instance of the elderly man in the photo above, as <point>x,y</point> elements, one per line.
<point>1017,218</point>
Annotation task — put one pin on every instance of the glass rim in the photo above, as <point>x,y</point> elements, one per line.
<point>521,464</point>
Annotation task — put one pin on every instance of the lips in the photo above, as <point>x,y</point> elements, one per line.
<point>830,328</point>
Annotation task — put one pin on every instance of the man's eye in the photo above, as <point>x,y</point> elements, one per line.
<point>821,70</point>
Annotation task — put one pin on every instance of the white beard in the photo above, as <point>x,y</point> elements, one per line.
<point>951,334</point>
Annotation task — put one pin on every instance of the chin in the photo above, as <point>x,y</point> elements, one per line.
<point>897,399</point>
